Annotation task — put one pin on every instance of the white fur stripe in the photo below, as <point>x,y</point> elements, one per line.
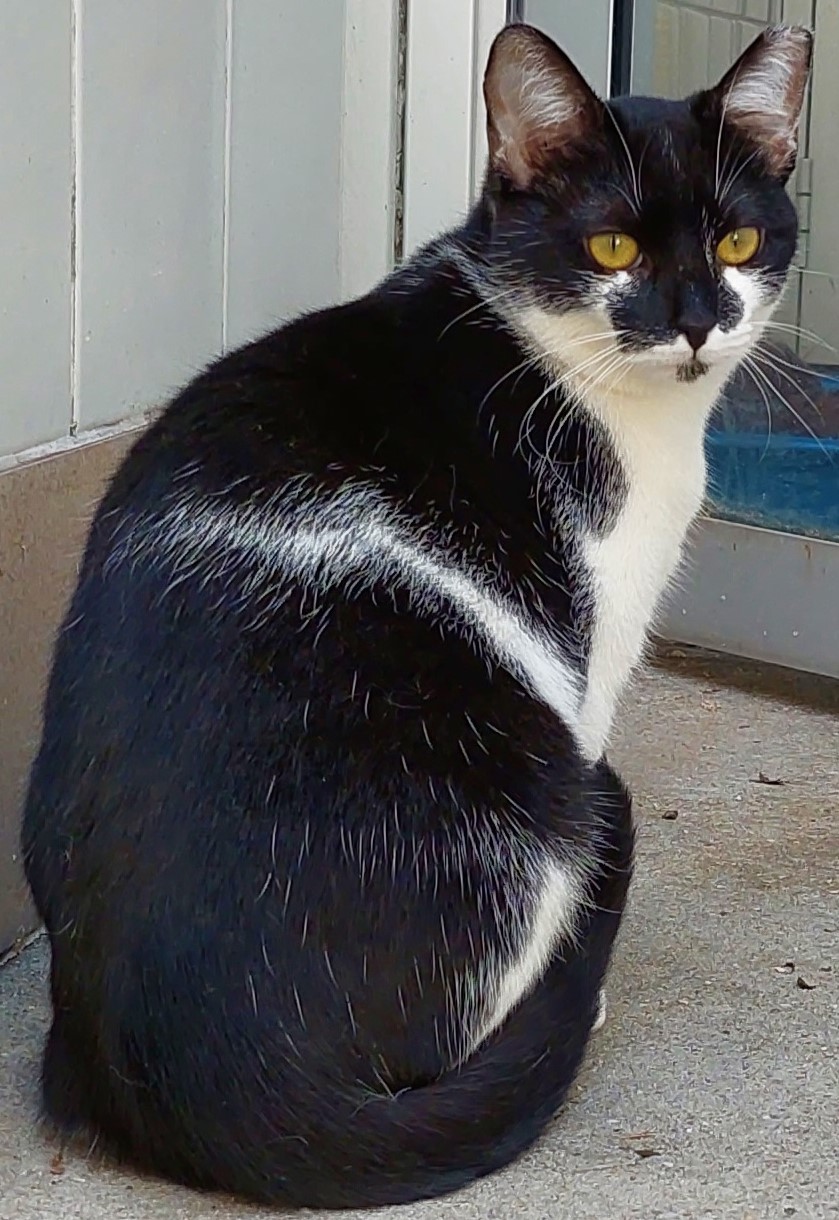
<point>558,903</point>
<point>355,537</point>
<point>530,657</point>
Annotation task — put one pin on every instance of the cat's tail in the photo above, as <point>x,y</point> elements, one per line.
<point>336,1145</point>
<point>368,1151</point>
<point>432,1140</point>
<point>332,1143</point>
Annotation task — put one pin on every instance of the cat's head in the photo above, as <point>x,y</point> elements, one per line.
<point>640,238</point>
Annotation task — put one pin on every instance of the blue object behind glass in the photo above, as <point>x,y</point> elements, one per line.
<point>784,480</point>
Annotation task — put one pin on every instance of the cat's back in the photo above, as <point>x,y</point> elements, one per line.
<point>317,460</point>
<point>264,558</point>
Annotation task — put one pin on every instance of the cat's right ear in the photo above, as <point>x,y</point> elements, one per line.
<point>761,97</point>
<point>537,104</point>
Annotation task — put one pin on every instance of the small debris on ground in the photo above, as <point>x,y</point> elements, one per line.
<point>763,778</point>
<point>787,968</point>
<point>57,1164</point>
<point>804,984</point>
<point>670,815</point>
<point>641,1143</point>
<point>825,969</point>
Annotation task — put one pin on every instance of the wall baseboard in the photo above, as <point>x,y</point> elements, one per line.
<point>47,499</point>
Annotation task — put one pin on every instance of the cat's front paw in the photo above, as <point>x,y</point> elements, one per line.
<point>600,1019</point>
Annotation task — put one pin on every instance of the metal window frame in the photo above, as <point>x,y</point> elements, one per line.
<point>759,593</point>
<point>623,24</point>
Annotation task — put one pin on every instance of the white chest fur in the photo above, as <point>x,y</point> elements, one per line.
<point>659,441</point>
<point>656,424</point>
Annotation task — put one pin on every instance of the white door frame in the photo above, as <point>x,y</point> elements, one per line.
<point>444,154</point>
<point>445,130</point>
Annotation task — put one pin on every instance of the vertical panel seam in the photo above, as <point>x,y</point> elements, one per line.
<point>347,43</point>
<point>75,201</point>
<point>400,135</point>
<point>474,108</point>
<point>225,206</point>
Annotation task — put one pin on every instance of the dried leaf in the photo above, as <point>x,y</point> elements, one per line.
<point>762,778</point>
<point>804,985</point>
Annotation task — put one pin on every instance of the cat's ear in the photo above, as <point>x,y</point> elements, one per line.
<point>537,104</point>
<point>763,93</point>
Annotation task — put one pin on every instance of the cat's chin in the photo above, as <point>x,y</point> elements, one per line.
<point>662,371</point>
<point>691,370</point>
<point>658,368</point>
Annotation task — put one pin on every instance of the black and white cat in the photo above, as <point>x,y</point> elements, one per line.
<point>320,826</point>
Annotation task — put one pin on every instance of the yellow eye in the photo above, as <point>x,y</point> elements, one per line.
<point>739,246</point>
<point>614,251</point>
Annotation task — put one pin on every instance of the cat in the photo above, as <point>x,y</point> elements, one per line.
<point>321,825</point>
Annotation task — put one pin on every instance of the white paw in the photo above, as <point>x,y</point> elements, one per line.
<point>600,1019</point>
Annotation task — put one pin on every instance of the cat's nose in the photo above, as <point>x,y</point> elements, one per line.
<point>695,315</point>
<point>696,333</point>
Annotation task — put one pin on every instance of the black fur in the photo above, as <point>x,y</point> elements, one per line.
<point>538,235</point>
<point>271,830</point>
<point>231,795</point>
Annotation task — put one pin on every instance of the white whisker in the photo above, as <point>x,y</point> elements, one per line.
<point>483,303</point>
<point>734,174</point>
<point>636,186</point>
<point>762,391</point>
<point>528,362</point>
<point>789,328</point>
<point>811,271</point>
<point>754,365</point>
<point>779,366</point>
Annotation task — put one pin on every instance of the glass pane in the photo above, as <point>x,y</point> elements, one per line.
<point>773,448</point>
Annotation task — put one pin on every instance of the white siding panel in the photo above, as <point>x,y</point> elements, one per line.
<point>35,203</point>
<point>151,107</point>
<point>287,77</point>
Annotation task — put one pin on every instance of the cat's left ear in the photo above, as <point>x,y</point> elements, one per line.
<point>539,107</point>
<point>762,95</point>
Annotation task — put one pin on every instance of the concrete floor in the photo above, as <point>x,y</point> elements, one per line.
<point>713,1091</point>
